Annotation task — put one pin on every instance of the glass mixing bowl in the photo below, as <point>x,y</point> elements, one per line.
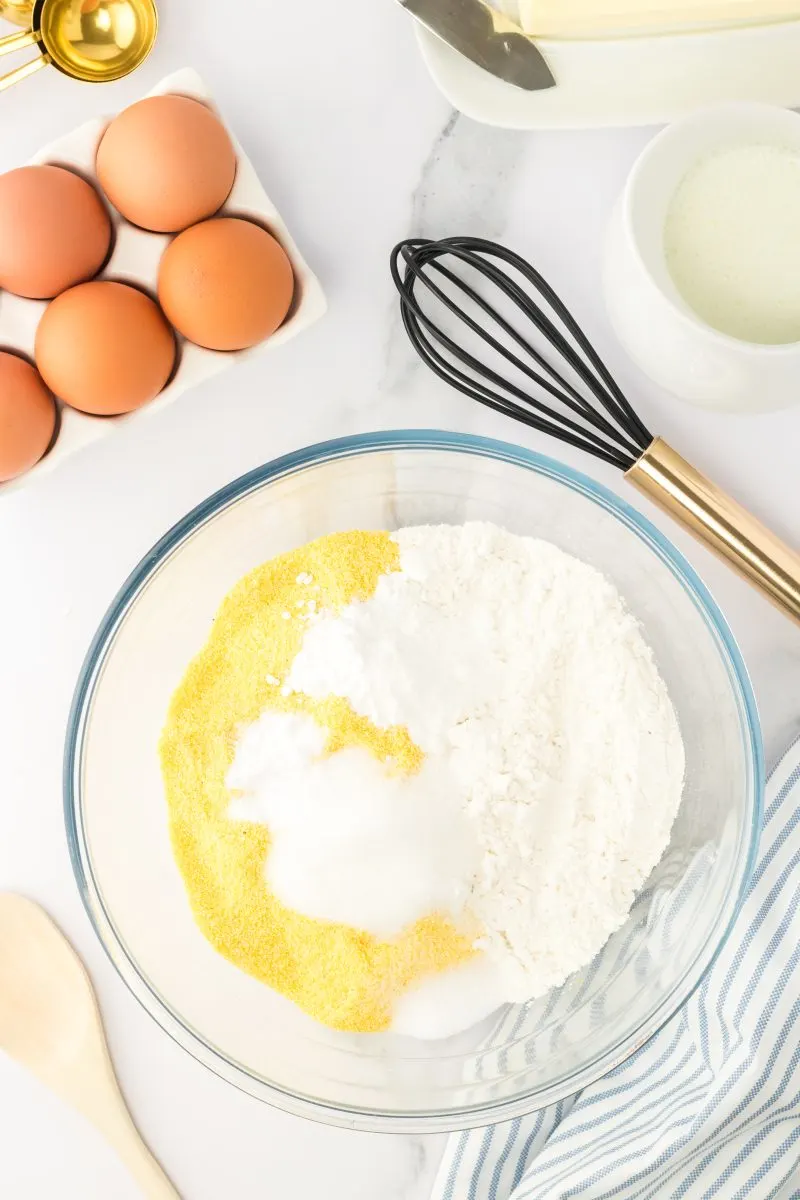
<point>117,823</point>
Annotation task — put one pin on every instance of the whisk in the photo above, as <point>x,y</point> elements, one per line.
<point>470,284</point>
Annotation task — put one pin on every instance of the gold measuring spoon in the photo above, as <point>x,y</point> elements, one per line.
<point>18,12</point>
<point>95,41</point>
<point>50,1023</point>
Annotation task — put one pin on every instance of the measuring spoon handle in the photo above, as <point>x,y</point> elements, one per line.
<point>36,64</point>
<point>18,41</point>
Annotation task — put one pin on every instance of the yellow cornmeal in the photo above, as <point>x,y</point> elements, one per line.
<point>344,977</point>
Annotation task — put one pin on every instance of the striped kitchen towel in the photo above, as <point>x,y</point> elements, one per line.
<point>709,1107</point>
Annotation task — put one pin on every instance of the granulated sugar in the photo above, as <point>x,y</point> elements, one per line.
<point>550,744</point>
<point>353,841</point>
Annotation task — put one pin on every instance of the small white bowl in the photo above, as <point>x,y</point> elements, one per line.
<point>662,334</point>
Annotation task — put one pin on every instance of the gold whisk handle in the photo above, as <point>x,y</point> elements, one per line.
<point>718,521</point>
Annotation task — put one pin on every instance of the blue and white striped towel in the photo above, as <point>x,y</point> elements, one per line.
<point>710,1107</point>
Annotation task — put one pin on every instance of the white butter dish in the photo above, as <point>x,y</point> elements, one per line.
<point>135,258</point>
<point>641,80</point>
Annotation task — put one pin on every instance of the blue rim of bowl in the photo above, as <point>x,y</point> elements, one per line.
<point>427,1121</point>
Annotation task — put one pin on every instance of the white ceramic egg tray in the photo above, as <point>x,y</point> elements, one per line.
<point>135,258</point>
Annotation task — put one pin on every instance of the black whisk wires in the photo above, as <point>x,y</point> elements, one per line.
<point>593,414</point>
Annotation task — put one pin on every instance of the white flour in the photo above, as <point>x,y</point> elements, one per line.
<point>549,737</point>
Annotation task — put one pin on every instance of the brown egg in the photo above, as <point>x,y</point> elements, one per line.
<point>54,231</point>
<point>27,416</point>
<point>104,348</point>
<point>166,162</point>
<point>225,284</point>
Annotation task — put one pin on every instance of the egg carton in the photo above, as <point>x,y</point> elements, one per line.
<point>135,258</point>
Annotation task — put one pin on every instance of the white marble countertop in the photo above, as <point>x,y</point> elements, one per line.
<point>358,150</point>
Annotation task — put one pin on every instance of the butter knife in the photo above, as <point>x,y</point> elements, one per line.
<point>487,38</point>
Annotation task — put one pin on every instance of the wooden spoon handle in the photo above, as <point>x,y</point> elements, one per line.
<point>122,1134</point>
<point>51,1024</point>
<point>96,1093</point>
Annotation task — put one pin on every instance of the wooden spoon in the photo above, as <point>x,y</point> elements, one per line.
<point>50,1023</point>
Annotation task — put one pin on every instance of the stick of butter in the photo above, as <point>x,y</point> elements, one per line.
<point>587,18</point>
